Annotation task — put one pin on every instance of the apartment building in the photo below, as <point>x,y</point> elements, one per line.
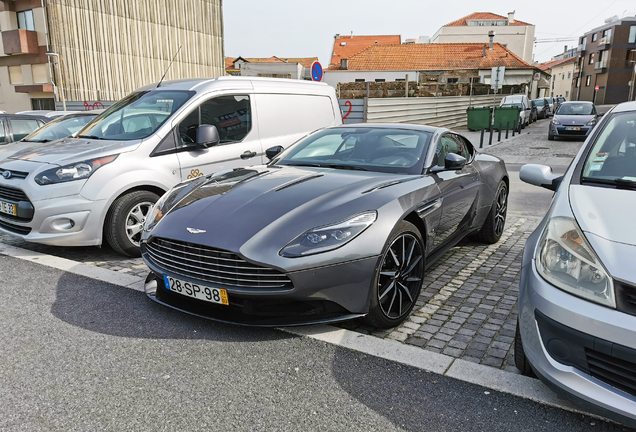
<point>606,61</point>
<point>101,51</point>
<point>561,72</point>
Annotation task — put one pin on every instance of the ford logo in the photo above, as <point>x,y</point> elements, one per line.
<point>6,174</point>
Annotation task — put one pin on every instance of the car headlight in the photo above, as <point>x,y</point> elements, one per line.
<point>75,171</point>
<point>555,120</point>
<point>168,201</point>
<point>591,122</point>
<point>329,237</point>
<point>566,260</point>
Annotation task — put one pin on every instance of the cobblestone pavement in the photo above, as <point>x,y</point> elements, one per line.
<point>467,308</point>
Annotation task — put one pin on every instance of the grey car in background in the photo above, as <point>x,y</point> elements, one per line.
<point>543,107</point>
<point>577,293</point>
<point>573,120</point>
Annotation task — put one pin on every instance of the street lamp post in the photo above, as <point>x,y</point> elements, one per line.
<point>54,54</point>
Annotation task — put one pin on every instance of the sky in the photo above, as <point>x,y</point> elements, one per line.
<point>303,28</point>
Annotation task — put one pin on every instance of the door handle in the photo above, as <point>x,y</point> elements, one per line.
<point>248,154</point>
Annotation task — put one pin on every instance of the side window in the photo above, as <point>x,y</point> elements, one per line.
<point>445,146</point>
<point>464,148</point>
<point>167,144</point>
<point>23,127</point>
<point>230,114</point>
<point>2,133</point>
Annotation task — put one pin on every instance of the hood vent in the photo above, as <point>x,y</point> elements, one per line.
<point>382,186</point>
<point>298,181</point>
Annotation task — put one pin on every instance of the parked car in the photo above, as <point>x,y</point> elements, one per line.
<point>61,127</point>
<point>14,127</point>
<point>553,104</point>
<point>534,114</point>
<point>48,114</point>
<point>560,100</point>
<point>338,226</point>
<point>102,184</point>
<point>573,120</point>
<point>577,308</point>
<point>523,103</point>
<point>543,107</point>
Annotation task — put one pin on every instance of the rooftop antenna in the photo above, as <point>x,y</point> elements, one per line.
<point>168,68</point>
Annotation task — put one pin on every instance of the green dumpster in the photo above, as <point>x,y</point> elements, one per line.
<point>478,118</point>
<point>506,116</point>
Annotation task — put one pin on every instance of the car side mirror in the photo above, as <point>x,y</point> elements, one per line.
<point>273,151</point>
<point>600,114</point>
<point>454,161</point>
<point>207,136</point>
<point>540,175</point>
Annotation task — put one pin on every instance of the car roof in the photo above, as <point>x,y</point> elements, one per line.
<point>204,84</point>
<point>625,106</point>
<point>396,126</point>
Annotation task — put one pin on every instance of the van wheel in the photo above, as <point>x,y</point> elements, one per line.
<point>125,221</point>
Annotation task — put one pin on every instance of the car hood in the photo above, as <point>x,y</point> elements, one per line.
<point>286,200</point>
<point>10,149</point>
<point>566,120</point>
<point>69,150</point>
<point>604,212</point>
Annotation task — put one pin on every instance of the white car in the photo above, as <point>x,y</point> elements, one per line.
<point>103,183</point>
<point>525,108</point>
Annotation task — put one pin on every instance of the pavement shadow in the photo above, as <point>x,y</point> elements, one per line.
<point>104,308</point>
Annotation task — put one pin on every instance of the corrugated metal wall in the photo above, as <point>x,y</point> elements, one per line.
<point>447,112</point>
<point>352,110</point>
<point>111,47</point>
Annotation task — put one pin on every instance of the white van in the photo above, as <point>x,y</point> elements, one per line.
<point>524,105</point>
<point>76,191</point>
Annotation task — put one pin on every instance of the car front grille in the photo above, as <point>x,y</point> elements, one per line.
<point>612,370</point>
<point>215,266</point>
<point>625,297</point>
<point>14,174</point>
<point>12,194</point>
<point>18,229</point>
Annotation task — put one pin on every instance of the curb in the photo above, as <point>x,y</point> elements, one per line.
<point>495,379</point>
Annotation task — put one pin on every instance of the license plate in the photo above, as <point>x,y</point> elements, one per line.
<point>573,128</point>
<point>8,208</point>
<point>199,292</point>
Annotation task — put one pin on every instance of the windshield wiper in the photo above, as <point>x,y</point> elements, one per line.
<point>334,166</point>
<point>91,137</point>
<point>618,183</point>
<point>37,141</point>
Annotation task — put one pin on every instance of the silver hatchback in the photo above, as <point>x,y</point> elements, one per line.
<point>577,294</point>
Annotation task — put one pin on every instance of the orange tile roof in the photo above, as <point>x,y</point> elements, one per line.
<point>229,63</point>
<point>483,16</point>
<point>355,44</point>
<point>305,61</point>
<point>446,56</point>
<point>553,63</point>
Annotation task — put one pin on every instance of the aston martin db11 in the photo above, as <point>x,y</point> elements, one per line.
<point>340,225</point>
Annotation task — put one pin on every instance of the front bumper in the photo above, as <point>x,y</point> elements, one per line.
<point>318,295</point>
<point>65,221</point>
<point>564,131</point>
<point>583,351</point>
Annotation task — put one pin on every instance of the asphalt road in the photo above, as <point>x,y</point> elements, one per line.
<point>81,355</point>
<point>526,199</point>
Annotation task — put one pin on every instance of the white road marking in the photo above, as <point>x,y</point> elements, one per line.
<point>486,376</point>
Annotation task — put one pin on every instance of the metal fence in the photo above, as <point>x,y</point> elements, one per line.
<point>449,111</point>
<point>83,105</point>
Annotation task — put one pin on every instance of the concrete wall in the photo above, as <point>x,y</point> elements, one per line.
<point>334,77</point>
<point>294,70</point>
<point>518,39</point>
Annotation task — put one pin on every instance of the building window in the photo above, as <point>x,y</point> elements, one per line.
<point>591,60</point>
<point>567,93</point>
<point>15,75</point>
<point>632,34</point>
<point>25,20</point>
<point>39,73</point>
<point>452,80</point>
<point>400,79</point>
<point>380,80</point>
<point>288,76</point>
<point>563,77</point>
<point>475,80</point>
<point>43,104</point>
<point>360,80</point>
<point>594,37</point>
<point>578,83</point>
<point>588,79</point>
<point>569,75</point>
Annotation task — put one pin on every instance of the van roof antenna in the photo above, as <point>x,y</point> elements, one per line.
<point>168,68</point>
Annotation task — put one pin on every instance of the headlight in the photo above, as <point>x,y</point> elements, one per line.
<point>566,260</point>
<point>555,120</point>
<point>75,171</point>
<point>168,201</point>
<point>329,237</point>
<point>591,122</point>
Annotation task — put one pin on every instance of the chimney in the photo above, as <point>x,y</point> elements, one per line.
<point>511,17</point>
<point>484,53</point>
<point>491,35</point>
<point>344,64</point>
<point>565,49</point>
<point>337,36</point>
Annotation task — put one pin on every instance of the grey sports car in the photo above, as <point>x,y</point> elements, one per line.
<point>338,226</point>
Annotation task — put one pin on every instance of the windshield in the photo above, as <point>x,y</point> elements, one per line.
<point>59,128</point>
<point>613,156</point>
<point>136,116</point>
<point>518,105</point>
<point>538,102</point>
<point>370,149</point>
<point>576,109</point>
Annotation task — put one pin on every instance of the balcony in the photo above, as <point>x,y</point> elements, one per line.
<point>601,66</point>
<point>20,42</point>
<point>581,50</point>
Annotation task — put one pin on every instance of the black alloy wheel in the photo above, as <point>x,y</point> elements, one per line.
<point>398,280</point>
<point>495,223</point>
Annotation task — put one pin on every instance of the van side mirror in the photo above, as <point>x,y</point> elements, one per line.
<point>273,151</point>
<point>207,136</point>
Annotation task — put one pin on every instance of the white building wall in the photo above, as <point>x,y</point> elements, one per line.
<point>334,77</point>
<point>518,39</point>
<point>295,70</point>
<point>561,83</point>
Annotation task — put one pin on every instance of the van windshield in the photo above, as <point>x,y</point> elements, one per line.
<point>136,116</point>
